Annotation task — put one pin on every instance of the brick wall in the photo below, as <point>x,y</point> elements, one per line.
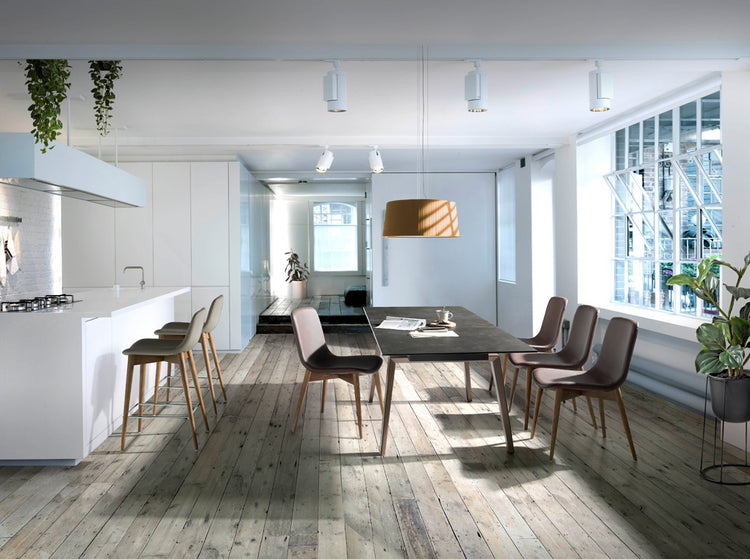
<point>40,240</point>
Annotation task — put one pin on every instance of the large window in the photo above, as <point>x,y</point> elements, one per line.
<point>335,237</point>
<point>666,204</point>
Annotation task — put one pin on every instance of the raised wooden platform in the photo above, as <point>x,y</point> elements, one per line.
<point>334,315</point>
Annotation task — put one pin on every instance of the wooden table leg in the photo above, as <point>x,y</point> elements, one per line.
<point>390,375</point>
<point>500,393</point>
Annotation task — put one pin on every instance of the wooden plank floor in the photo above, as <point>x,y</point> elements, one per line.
<point>326,305</point>
<point>447,487</point>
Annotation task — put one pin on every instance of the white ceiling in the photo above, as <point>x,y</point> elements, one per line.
<point>225,78</point>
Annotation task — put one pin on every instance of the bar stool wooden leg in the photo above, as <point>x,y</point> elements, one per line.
<point>156,385</point>
<point>186,389</point>
<point>169,379</point>
<point>216,361</point>
<point>126,410</point>
<point>208,371</point>
<point>141,394</point>
<point>194,372</point>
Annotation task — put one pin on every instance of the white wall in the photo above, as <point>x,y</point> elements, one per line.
<point>435,272</point>
<point>290,230</point>
<point>187,235</point>
<point>566,222</point>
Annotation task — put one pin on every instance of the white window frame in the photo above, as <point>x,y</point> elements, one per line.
<point>632,208</point>
<point>359,204</point>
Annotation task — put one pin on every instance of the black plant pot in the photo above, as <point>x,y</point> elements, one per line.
<point>730,397</point>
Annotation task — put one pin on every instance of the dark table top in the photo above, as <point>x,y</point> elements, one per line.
<point>476,339</point>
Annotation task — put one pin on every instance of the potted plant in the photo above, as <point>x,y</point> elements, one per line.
<point>725,341</point>
<point>47,84</point>
<point>296,274</point>
<point>103,74</point>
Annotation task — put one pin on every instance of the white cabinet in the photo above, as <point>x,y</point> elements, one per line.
<point>171,207</point>
<point>209,224</point>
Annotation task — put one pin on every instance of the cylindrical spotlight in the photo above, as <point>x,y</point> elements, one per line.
<point>475,89</point>
<point>334,89</point>
<point>376,162</point>
<point>601,89</point>
<point>324,163</point>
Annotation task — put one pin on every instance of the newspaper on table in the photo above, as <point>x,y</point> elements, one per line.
<point>433,334</point>
<point>401,323</point>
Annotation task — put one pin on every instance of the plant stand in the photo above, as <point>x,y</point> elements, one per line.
<point>729,473</point>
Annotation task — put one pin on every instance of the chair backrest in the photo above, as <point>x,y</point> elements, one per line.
<point>577,349</point>
<point>308,332</point>
<point>193,332</point>
<point>616,352</point>
<point>552,322</point>
<point>214,313</point>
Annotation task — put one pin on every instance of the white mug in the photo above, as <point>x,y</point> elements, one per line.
<point>444,315</point>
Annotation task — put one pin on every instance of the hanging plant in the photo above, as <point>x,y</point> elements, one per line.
<point>104,73</point>
<point>47,84</point>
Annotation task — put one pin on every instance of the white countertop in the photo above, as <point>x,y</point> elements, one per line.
<point>105,302</point>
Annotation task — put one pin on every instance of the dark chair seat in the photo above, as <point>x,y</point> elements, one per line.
<point>324,361</point>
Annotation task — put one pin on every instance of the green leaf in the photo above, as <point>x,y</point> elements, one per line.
<point>740,330</point>
<point>704,267</point>
<point>745,311</point>
<point>738,292</point>
<point>682,279</point>
<point>707,362</point>
<point>711,336</point>
<point>732,357</point>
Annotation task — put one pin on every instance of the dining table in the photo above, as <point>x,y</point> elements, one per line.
<point>476,339</point>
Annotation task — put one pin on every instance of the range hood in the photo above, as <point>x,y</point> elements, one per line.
<point>65,171</point>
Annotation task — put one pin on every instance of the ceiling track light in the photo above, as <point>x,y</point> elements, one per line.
<point>334,88</point>
<point>475,88</point>
<point>376,162</point>
<point>325,161</point>
<point>601,89</point>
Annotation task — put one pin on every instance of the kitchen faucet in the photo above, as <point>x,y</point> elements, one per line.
<point>143,281</point>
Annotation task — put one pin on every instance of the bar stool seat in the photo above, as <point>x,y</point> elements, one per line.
<point>151,350</point>
<point>177,330</point>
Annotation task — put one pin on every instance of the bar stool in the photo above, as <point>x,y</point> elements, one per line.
<point>151,350</point>
<point>177,330</point>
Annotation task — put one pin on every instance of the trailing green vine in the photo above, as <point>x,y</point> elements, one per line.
<point>104,73</point>
<point>47,84</point>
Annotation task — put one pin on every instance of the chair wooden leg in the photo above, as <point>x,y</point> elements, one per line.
<point>156,385</point>
<point>575,406</point>
<point>194,372</point>
<point>141,394</point>
<point>621,404</point>
<point>376,381</point>
<point>512,389</point>
<point>216,362</point>
<point>208,370</point>
<point>323,398</point>
<point>188,402</point>
<point>591,410</point>
<point>601,416</point>
<point>372,388</point>
<point>126,410</point>
<point>537,405</point>
<point>555,421</point>
<point>301,399</point>
<point>169,379</point>
<point>355,382</point>
<point>467,372</point>
<point>528,399</point>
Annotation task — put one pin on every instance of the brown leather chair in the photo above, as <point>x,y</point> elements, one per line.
<point>573,356</point>
<point>152,350</point>
<point>602,381</point>
<point>177,330</point>
<point>321,364</point>
<point>549,332</point>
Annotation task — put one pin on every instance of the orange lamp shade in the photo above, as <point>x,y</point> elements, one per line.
<point>420,218</point>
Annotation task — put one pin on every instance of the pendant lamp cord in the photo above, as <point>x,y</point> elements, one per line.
<point>423,120</point>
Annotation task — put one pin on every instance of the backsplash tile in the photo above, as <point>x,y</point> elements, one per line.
<point>40,242</point>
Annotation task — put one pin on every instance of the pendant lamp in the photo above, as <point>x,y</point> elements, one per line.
<point>421,217</point>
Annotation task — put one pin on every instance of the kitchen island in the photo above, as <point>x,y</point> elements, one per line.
<point>62,378</point>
